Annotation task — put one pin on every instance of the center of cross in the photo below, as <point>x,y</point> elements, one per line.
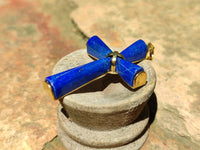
<point>114,56</point>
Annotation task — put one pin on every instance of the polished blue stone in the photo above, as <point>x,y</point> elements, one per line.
<point>67,81</point>
<point>97,48</point>
<point>135,52</point>
<point>127,70</point>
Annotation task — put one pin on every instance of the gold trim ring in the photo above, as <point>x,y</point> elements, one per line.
<point>114,56</point>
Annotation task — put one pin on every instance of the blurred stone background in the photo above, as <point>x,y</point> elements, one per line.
<point>34,35</point>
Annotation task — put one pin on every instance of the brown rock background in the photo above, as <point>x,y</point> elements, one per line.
<point>34,35</point>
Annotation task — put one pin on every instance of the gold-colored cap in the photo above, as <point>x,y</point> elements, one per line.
<point>47,87</point>
<point>140,79</point>
<point>150,51</point>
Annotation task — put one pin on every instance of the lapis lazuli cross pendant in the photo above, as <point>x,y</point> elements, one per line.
<point>64,83</point>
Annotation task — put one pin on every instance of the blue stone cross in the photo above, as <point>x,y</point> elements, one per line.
<point>64,83</point>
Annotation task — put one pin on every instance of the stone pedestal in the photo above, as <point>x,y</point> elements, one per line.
<point>105,114</point>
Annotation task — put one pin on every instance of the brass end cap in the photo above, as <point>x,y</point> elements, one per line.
<point>47,87</point>
<point>140,79</point>
<point>150,51</point>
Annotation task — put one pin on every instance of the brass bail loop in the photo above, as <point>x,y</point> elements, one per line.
<point>150,51</point>
<point>114,56</point>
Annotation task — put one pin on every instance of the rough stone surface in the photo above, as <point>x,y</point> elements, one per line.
<point>73,145</point>
<point>34,35</point>
<point>113,139</point>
